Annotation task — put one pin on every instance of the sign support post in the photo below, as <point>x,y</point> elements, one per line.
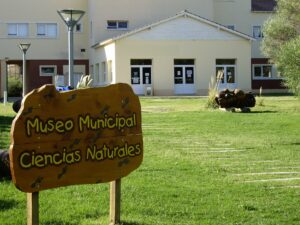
<point>115,202</point>
<point>33,208</point>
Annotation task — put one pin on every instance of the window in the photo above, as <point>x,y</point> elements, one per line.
<point>184,71</point>
<point>262,71</point>
<point>103,72</point>
<point>17,29</point>
<point>141,71</point>
<point>109,70</point>
<point>97,73</point>
<point>117,25</point>
<point>92,70</point>
<point>47,70</point>
<point>232,27</point>
<point>78,27</point>
<point>91,29</point>
<point>263,5</point>
<point>226,71</point>
<point>257,32</point>
<point>46,30</point>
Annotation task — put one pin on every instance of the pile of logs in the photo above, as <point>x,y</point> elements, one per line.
<point>235,99</point>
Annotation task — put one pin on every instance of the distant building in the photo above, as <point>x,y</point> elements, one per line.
<point>170,47</point>
<point>38,23</point>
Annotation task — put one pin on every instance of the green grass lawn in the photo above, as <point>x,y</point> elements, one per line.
<point>200,167</point>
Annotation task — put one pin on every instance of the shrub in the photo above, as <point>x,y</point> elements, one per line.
<point>14,86</point>
<point>213,91</point>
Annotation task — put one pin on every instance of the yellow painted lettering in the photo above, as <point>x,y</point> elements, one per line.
<point>59,126</point>
<point>55,161</point>
<point>23,160</point>
<point>83,121</point>
<point>39,161</point>
<point>32,125</point>
<point>50,127</point>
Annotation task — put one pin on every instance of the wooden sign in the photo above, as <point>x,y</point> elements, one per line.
<point>76,137</point>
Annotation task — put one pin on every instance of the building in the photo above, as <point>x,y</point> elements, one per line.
<point>37,22</point>
<point>170,47</point>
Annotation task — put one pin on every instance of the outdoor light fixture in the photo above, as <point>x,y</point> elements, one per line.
<point>24,47</point>
<point>71,18</point>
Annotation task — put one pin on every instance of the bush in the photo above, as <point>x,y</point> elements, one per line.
<point>213,92</point>
<point>288,63</point>
<point>14,87</point>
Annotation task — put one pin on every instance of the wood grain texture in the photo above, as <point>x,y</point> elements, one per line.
<point>76,137</point>
<point>33,208</point>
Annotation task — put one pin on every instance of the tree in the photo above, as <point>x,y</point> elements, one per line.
<point>281,42</point>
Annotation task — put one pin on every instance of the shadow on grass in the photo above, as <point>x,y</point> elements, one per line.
<point>5,125</point>
<point>6,120</point>
<point>131,223</point>
<point>265,111</point>
<point>58,222</point>
<point>7,204</point>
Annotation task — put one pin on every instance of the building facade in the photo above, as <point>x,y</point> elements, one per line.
<point>38,23</point>
<point>170,43</point>
<point>170,47</point>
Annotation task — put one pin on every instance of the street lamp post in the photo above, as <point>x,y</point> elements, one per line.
<point>24,47</point>
<point>5,95</point>
<point>71,18</point>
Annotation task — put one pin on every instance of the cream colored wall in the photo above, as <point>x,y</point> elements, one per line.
<point>163,53</point>
<point>139,13</point>
<point>43,11</point>
<point>100,55</point>
<point>238,13</point>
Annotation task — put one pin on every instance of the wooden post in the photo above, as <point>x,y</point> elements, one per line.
<point>115,202</point>
<point>33,208</point>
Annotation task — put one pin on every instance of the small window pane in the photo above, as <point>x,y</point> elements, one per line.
<point>230,27</point>
<point>263,5</point>
<point>225,61</point>
<point>257,32</point>
<point>140,62</point>
<point>220,74</point>
<point>52,30</point>
<point>184,61</point>
<point>22,30</point>
<point>230,75</point>
<point>135,75</point>
<point>146,75</point>
<point>189,75</point>
<point>78,27</point>
<point>112,24</point>
<point>178,75</point>
<point>257,71</point>
<point>41,29</point>
<point>47,70</point>
<point>122,25</point>
<point>12,29</point>
<point>267,71</point>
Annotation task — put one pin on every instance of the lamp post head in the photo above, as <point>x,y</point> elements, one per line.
<point>70,16</point>
<point>24,47</point>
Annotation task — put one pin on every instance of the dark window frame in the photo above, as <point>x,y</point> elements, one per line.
<point>263,5</point>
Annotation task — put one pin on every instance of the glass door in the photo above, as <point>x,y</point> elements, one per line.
<point>140,76</point>
<point>184,76</point>
<point>226,76</point>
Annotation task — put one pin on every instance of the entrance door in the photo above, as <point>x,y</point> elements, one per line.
<point>226,70</point>
<point>184,77</point>
<point>228,78</point>
<point>140,75</point>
